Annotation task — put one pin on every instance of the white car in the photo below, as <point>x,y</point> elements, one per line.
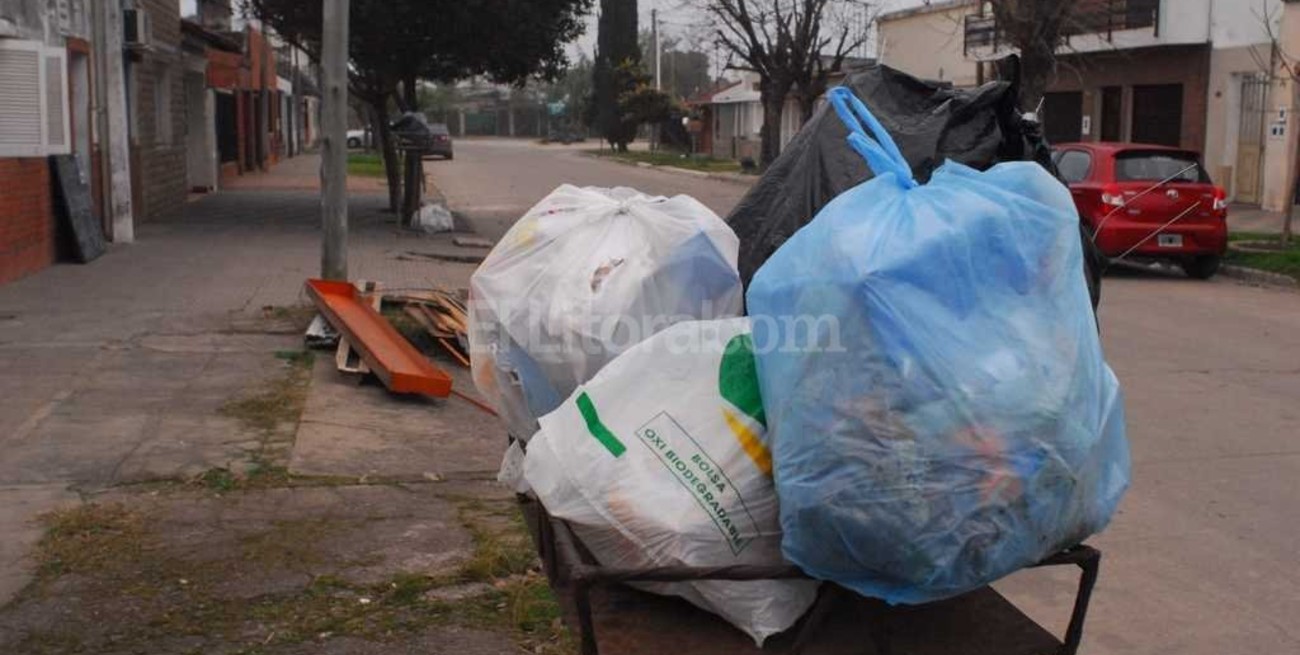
<point>358,138</point>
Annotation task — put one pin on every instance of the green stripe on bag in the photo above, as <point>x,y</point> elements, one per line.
<point>598,429</point>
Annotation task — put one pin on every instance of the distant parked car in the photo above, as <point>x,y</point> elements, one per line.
<point>441,142</point>
<point>358,139</point>
<point>1128,194</point>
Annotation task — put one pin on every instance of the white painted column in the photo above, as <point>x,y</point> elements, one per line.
<point>115,145</point>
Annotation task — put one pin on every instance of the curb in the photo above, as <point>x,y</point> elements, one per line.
<point>734,178</point>
<point>1258,277</point>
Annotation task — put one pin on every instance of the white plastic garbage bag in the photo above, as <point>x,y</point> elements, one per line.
<point>434,217</point>
<point>584,275</point>
<point>662,460</point>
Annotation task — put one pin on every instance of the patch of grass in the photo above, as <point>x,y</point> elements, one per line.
<point>1284,261</point>
<point>502,545</point>
<point>676,159</point>
<point>218,479</point>
<point>280,400</point>
<point>89,539</point>
<point>528,606</point>
<point>287,545</point>
<point>154,595</point>
<point>365,165</point>
<point>299,316</point>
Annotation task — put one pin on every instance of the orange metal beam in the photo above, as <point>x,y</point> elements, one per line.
<point>388,354</point>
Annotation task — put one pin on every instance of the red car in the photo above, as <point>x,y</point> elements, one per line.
<point>1148,201</point>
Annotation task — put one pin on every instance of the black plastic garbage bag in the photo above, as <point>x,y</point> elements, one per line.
<point>930,121</point>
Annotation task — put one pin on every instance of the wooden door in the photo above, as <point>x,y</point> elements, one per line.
<point>1250,139</point>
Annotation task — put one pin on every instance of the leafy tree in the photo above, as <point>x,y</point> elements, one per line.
<point>641,103</point>
<point>394,43</point>
<point>617,54</point>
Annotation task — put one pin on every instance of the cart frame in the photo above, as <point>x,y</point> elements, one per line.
<point>568,565</point>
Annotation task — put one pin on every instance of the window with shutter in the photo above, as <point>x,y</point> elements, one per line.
<point>33,100</point>
<point>21,128</point>
<point>57,139</point>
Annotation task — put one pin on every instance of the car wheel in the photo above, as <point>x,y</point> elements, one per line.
<point>354,143</point>
<point>450,156</point>
<point>1202,267</point>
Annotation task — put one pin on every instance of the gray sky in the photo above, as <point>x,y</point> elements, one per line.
<point>684,20</point>
<point>676,18</point>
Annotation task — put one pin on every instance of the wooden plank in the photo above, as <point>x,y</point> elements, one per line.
<point>392,358</point>
<point>454,352</point>
<point>419,317</point>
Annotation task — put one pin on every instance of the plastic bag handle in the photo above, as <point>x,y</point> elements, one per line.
<point>880,151</point>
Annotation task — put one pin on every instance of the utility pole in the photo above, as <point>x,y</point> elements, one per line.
<point>334,152</point>
<point>654,29</point>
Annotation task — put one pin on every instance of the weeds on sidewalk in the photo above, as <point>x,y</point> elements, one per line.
<point>111,562</point>
<point>272,412</point>
<point>89,539</point>
<point>298,315</point>
<point>280,400</point>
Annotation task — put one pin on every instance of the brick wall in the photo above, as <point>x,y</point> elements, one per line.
<point>160,153</point>
<point>1185,65</point>
<point>27,231</point>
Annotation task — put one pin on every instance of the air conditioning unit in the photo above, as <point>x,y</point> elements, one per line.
<point>138,27</point>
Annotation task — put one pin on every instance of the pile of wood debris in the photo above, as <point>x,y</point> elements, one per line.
<point>443,314</point>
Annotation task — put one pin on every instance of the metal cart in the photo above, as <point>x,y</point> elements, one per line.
<point>572,569</point>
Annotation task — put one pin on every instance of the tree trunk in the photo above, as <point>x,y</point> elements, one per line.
<point>773,99</point>
<point>1294,187</point>
<point>414,168</point>
<point>808,103</point>
<point>1037,66</point>
<point>389,150</point>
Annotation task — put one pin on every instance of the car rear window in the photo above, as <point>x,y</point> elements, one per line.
<point>438,128</point>
<point>1157,165</point>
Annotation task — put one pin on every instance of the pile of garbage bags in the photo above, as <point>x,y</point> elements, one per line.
<point>956,420</point>
<point>916,404</point>
<point>930,122</point>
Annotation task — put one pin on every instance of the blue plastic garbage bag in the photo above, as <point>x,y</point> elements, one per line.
<point>940,410</point>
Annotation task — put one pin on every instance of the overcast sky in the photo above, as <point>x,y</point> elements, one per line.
<point>684,20</point>
<point>676,18</point>
<point>681,19</point>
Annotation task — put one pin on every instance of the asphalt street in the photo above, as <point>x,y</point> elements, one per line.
<point>1202,557</point>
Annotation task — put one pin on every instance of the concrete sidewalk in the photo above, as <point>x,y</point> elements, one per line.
<point>1250,218</point>
<point>154,496</point>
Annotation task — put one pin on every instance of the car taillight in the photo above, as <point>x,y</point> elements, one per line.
<point>1111,195</point>
<point>1220,199</point>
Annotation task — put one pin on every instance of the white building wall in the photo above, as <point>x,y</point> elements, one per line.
<point>1235,23</point>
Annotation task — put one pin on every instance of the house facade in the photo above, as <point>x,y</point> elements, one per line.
<point>155,84</point>
<point>151,106</point>
<point>58,60</point>
<point>1197,74</point>
<point>928,40</point>
<point>735,115</point>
